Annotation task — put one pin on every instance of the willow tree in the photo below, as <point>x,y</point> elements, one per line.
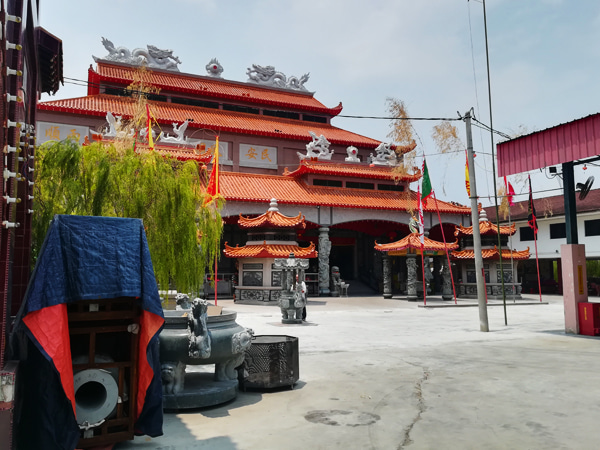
<point>105,180</point>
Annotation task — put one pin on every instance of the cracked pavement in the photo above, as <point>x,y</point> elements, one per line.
<point>388,374</point>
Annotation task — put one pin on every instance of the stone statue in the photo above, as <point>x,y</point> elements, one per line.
<point>240,342</point>
<point>336,281</point>
<point>172,376</point>
<point>292,299</point>
<point>116,128</point>
<point>179,137</point>
<point>318,148</point>
<point>182,301</point>
<point>324,250</point>
<point>411,282</point>
<point>268,76</point>
<point>214,68</point>
<point>384,155</point>
<point>446,282</point>
<point>199,338</point>
<point>352,154</point>
<point>153,57</point>
<point>428,275</point>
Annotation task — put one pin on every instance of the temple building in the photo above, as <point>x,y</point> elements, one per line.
<point>276,141</point>
<point>491,260</point>
<point>270,235</point>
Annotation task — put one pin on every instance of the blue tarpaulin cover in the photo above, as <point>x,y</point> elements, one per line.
<point>87,258</point>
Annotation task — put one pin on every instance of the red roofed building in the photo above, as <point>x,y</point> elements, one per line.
<point>276,140</point>
<point>491,260</point>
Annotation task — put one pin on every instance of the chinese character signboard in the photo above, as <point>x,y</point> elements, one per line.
<point>58,132</point>
<point>258,156</point>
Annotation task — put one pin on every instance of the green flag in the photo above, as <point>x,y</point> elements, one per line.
<point>425,185</point>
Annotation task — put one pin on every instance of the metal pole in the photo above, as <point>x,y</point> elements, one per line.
<point>483,317</point>
<point>487,57</point>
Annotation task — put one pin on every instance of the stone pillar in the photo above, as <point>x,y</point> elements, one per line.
<point>387,277</point>
<point>324,250</point>
<point>411,277</point>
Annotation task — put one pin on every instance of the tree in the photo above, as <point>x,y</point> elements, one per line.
<point>101,179</point>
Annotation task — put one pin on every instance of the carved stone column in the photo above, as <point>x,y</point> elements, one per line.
<point>411,277</point>
<point>324,250</point>
<point>387,277</point>
<point>446,282</point>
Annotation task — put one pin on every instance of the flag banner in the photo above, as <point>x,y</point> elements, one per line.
<point>426,184</point>
<point>467,180</point>
<point>510,192</point>
<point>213,190</point>
<point>421,221</point>
<point>531,216</point>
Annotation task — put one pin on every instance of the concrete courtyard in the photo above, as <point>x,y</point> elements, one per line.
<point>389,374</point>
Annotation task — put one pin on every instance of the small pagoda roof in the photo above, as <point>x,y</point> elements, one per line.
<point>486,228</point>
<point>492,254</point>
<point>413,240</point>
<point>265,250</point>
<point>316,167</point>
<point>272,219</point>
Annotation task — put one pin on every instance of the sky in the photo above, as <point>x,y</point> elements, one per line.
<point>544,61</point>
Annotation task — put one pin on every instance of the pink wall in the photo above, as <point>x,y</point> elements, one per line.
<point>574,280</point>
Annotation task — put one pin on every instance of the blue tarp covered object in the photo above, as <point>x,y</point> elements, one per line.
<point>87,258</point>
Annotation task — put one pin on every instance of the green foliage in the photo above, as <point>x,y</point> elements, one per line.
<point>166,193</point>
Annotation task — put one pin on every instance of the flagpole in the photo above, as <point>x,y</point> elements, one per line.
<point>532,222</point>
<point>422,239</point>
<point>445,246</point>
<point>537,264</point>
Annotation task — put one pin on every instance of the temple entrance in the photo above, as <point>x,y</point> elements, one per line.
<point>342,256</point>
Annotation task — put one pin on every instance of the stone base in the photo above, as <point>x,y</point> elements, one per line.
<point>291,321</point>
<point>201,390</point>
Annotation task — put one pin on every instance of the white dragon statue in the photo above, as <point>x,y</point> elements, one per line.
<point>318,148</point>
<point>384,155</point>
<point>154,57</point>
<point>268,76</point>
<point>179,137</point>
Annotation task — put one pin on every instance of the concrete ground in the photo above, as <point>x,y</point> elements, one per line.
<point>391,374</point>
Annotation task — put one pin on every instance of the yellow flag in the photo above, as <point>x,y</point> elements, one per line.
<point>467,180</point>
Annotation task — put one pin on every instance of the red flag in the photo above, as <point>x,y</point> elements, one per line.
<point>213,189</point>
<point>510,192</point>
<point>531,218</point>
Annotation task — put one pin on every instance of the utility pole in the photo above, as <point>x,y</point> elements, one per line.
<point>481,297</point>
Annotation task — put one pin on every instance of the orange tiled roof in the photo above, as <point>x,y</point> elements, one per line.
<point>272,219</point>
<point>206,86</point>
<point>265,250</point>
<point>485,228</point>
<point>247,187</point>
<point>225,121</point>
<point>413,241</point>
<point>492,253</point>
<point>309,166</point>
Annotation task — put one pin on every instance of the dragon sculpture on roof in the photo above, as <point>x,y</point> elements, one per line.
<point>153,57</point>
